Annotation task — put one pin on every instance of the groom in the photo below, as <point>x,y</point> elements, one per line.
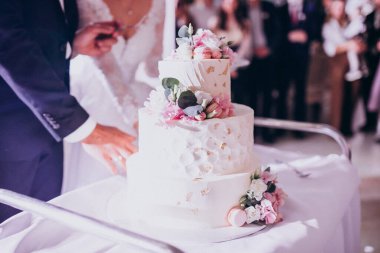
<point>37,40</point>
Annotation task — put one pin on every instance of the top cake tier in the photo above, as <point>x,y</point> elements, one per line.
<point>209,75</point>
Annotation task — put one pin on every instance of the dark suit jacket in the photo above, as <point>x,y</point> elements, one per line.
<point>372,36</point>
<point>311,22</point>
<point>271,25</point>
<point>36,108</point>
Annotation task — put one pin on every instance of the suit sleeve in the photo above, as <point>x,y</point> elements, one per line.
<point>26,70</point>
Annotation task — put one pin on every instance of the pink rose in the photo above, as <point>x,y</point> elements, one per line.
<point>200,117</point>
<point>216,54</point>
<point>202,53</point>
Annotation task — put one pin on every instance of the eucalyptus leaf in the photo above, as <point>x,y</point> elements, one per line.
<point>167,92</point>
<point>170,82</point>
<point>186,99</point>
<point>271,188</point>
<point>181,41</point>
<point>193,111</point>
<point>183,32</point>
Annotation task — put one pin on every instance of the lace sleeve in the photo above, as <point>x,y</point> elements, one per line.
<point>91,11</point>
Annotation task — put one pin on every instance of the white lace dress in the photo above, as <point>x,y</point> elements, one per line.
<point>113,87</point>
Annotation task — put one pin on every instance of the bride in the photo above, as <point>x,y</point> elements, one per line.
<point>112,87</point>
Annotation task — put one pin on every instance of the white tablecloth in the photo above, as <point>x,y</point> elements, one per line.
<point>321,214</point>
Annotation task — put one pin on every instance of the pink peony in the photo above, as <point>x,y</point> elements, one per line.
<point>202,53</point>
<point>277,198</point>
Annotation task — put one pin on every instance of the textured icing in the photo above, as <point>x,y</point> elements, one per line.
<point>181,202</point>
<point>212,76</point>
<point>197,149</point>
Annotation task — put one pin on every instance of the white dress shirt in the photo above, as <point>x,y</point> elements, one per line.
<point>87,127</point>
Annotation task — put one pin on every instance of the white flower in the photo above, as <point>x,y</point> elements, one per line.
<point>185,52</point>
<point>208,39</point>
<point>256,189</point>
<point>253,213</point>
<point>157,101</point>
<point>203,98</point>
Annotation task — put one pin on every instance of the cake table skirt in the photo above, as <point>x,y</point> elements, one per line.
<point>322,214</point>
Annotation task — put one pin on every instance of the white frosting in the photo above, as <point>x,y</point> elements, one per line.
<point>212,76</point>
<point>198,149</point>
<point>181,202</point>
<point>189,174</point>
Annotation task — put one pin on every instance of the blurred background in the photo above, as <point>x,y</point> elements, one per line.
<point>310,60</point>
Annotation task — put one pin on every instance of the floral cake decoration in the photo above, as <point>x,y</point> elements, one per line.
<point>174,101</point>
<point>204,44</point>
<point>261,203</point>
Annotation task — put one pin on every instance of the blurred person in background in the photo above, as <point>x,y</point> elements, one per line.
<point>232,23</point>
<point>373,41</point>
<point>301,22</point>
<point>374,101</point>
<point>202,11</point>
<point>266,41</point>
<point>372,23</point>
<point>344,94</point>
<point>182,14</point>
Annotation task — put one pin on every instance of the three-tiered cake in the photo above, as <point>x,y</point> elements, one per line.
<point>195,156</point>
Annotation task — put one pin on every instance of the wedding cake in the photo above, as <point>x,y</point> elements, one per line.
<point>195,159</point>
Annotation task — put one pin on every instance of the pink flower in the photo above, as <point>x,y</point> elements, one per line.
<point>205,37</point>
<point>216,54</point>
<point>227,53</point>
<point>173,112</point>
<point>277,198</point>
<point>267,212</point>
<point>200,117</point>
<point>202,53</point>
<point>268,177</point>
<point>223,107</point>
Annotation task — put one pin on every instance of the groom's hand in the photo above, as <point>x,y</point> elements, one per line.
<point>96,39</point>
<point>113,144</point>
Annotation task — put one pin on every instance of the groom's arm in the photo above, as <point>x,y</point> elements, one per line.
<point>29,74</point>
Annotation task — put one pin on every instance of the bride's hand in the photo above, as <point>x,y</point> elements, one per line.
<point>96,39</point>
<point>113,145</point>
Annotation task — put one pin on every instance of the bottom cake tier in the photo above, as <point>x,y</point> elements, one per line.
<point>181,202</point>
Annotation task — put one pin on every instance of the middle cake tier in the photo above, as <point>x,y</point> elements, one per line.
<point>198,149</point>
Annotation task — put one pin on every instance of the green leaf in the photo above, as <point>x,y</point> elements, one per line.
<point>229,43</point>
<point>183,32</point>
<point>243,199</point>
<point>186,99</point>
<point>267,169</point>
<point>170,83</point>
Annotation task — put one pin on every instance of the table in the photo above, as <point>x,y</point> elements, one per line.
<point>322,214</point>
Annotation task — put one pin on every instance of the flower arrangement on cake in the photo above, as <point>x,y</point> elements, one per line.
<point>174,101</point>
<point>261,203</point>
<point>204,44</point>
